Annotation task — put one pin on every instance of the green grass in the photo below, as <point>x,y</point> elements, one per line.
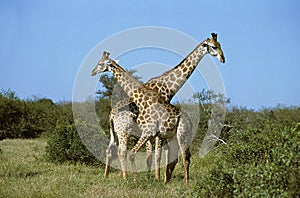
<point>258,161</point>
<point>25,173</point>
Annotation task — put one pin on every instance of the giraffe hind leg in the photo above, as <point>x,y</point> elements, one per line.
<point>172,149</point>
<point>149,155</point>
<point>109,155</point>
<point>123,141</point>
<point>184,137</point>
<point>186,155</point>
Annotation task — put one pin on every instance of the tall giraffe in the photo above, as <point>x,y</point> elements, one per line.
<point>157,118</point>
<point>123,125</point>
<point>167,85</point>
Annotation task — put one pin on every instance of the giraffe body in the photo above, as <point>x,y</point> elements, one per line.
<point>123,123</point>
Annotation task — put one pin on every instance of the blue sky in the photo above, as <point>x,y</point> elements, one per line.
<point>43,43</point>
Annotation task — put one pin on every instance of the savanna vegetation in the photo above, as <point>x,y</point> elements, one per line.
<point>42,155</point>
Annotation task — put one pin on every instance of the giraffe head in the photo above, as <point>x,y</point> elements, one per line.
<point>104,64</point>
<point>213,47</point>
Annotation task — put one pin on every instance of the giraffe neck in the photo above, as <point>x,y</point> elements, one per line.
<point>129,84</point>
<point>171,81</point>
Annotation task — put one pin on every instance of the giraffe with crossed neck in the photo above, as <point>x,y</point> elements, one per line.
<point>167,85</point>
<point>157,118</point>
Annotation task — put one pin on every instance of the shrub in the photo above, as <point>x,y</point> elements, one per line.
<point>12,113</point>
<point>26,118</point>
<point>65,145</point>
<point>261,158</point>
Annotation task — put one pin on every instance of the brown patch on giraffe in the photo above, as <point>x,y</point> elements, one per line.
<point>172,77</point>
<point>146,105</point>
<point>178,72</point>
<point>141,117</point>
<point>193,61</point>
<point>147,116</point>
<point>166,124</point>
<point>169,84</point>
<point>185,69</point>
<point>154,100</point>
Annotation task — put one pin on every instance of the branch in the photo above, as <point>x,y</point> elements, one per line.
<point>215,138</point>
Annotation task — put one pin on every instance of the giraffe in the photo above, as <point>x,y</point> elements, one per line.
<point>157,118</point>
<point>171,81</point>
<point>123,125</point>
<point>168,84</point>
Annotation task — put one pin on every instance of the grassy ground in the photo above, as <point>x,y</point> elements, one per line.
<point>25,173</point>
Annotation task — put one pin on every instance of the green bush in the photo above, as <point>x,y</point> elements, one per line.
<point>261,158</point>
<point>267,164</point>
<point>216,182</point>
<point>40,117</point>
<point>65,145</point>
<point>12,114</point>
<point>26,118</point>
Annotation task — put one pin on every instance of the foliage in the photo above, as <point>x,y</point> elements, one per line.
<point>65,145</point>
<point>261,158</point>
<point>110,87</point>
<point>32,118</point>
<point>209,105</point>
<point>12,113</point>
<point>26,118</point>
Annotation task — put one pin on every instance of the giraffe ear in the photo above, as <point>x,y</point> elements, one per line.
<point>117,61</point>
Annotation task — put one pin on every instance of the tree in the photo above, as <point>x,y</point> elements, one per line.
<point>110,88</point>
<point>212,113</point>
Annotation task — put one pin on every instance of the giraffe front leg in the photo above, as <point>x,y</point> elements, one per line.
<point>158,149</point>
<point>135,149</point>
